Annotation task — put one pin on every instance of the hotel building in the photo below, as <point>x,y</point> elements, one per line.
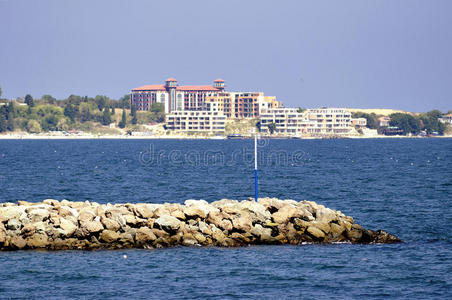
<point>202,98</point>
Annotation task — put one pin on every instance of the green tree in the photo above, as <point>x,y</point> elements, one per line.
<point>123,121</point>
<point>406,122</point>
<point>258,126</point>
<point>33,126</point>
<point>11,114</point>
<point>71,112</point>
<point>0,91</point>
<point>300,110</point>
<point>106,116</point>
<point>430,122</point>
<point>125,101</point>
<point>85,112</point>
<point>74,99</point>
<point>101,102</point>
<point>372,119</point>
<point>157,108</point>
<point>29,100</point>
<point>49,123</point>
<point>133,111</point>
<point>48,99</point>
<point>272,127</point>
<point>62,125</point>
<point>3,123</point>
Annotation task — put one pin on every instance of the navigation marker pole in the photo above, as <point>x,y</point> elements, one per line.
<point>255,165</point>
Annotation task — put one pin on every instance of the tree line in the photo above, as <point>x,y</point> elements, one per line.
<point>409,123</point>
<point>75,112</point>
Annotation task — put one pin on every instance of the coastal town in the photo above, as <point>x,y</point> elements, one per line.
<point>170,110</point>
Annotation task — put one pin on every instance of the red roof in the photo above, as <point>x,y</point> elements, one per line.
<point>219,80</point>
<point>170,79</point>
<point>196,88</point>
<point>153,87</point>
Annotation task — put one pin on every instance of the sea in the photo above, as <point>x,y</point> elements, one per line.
<point>403,186</point>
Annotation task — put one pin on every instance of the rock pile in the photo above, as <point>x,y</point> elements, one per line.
<point>56,225</point>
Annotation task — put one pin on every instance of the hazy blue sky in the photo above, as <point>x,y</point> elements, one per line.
<point>387,54</point>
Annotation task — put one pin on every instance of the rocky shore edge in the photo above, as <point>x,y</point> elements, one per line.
<point>66,225</point>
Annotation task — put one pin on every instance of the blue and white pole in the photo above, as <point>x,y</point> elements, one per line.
<point>255,166</point>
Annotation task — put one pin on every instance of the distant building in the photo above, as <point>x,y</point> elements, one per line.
<point>446,119</point>
<point>321,121</point>
<point>196,121</point>
<point>393,130</point>
<point>242,105</point>
<point>201,98</point>
<point>287,121</point>
<point>331,121</point>
<point>384,121</point>
<point>359,122</point>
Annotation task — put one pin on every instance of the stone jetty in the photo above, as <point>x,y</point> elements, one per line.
<point>61,225</point>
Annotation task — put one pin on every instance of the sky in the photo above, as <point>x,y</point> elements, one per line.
<point>358,54</point>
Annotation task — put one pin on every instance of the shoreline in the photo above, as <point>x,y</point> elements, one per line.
<point>183,137</point>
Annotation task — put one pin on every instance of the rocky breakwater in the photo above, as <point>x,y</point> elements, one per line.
<point>88,225</point>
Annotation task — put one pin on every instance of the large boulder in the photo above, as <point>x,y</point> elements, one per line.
<point>110,224</point>
<point>67,227</point>
<point>92,226</point>
<point>168,223</point>
<point>145,235</point>
<point>287,212</point>
<point>326,215</point>
<point>11,212</point>
<point>242,223</point>
<point>258,210</point>
<point>86,215</point>
<point>38,215</point>
<point>2,233</point>
<point>109,236</point>
<point>38,240</point>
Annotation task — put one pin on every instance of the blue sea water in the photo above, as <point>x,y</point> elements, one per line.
<point>403,186</point>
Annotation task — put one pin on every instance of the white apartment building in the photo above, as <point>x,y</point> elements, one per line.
<point>196,121</point>
<point>288,121</point>
<point>321,121</point>
<point>330,121</point>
